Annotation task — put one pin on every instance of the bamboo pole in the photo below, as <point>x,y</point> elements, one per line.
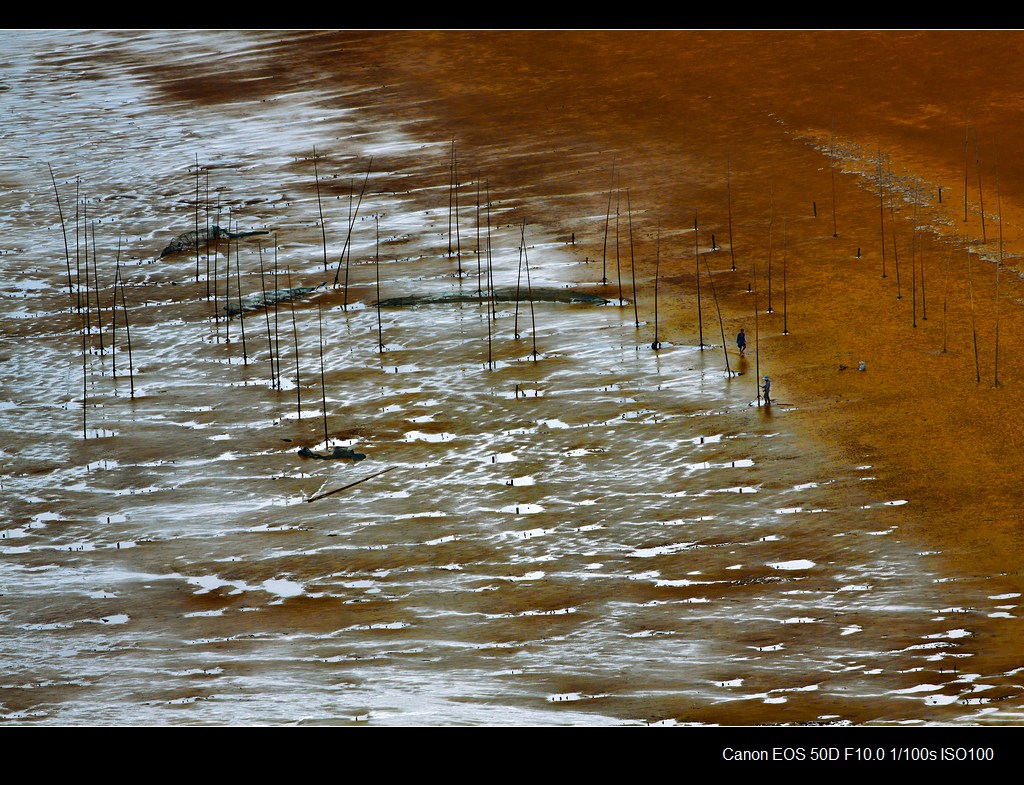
<point>945,297</point>
<point>451,195</point>
<point>974,327</point>
<point>529,289</point>
<point>241,310</point>
<point>618,265</point>
<point>967,164</point>
<point>63,229</point>
<point>696,255</point>
<point>728,188</point>
<point>277,333</point>
<point>376,268</point>
<point>348,237</point>
<point>981,197</point>
<point>895,250</point>
<point>85,384</point>
<point>351,484</point>
<point>913,263</point>
<point>519,280</point>
<point>490,259</point>
<point>832,170</point>
<point>113,313</point>
<point>999,264</point>
<point>320,207</point>
<point>721,324</point>
<point>491,315</point>
<point>78,251</point>
<point>266,311</point>
<point>881,210</point>
<point>295,341</point>
<point>785,309</point>
<point>479,272</point>
<point>85,246</point>
<point>323,383</point>
<point>207,244</point>
<point>656,345</point>
<point>96,287</point>
<point>128,339</point>
<point>757,331</point>
<point>632,260</point>
<point>458,235</point>
<point>607,220</point>
<point>771,224</point>
<point>197,217</point>
<point>227,285</point>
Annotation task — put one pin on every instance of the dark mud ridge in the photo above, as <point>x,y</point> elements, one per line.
<point>508,295</point>
<point>262,299</point>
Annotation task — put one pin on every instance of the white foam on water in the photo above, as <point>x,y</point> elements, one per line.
<point>796,564</point>
<point>283,588</point>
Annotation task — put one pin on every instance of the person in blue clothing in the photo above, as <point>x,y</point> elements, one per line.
<point>767,387</point>
<point>741,342</point>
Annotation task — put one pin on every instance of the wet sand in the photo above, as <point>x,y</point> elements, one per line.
<point>601,534</point>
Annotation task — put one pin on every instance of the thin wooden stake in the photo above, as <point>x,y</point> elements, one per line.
<point>128,339</point>
<point>618,265</point>
<point>913,263</point>
<point>881,210</point>
<point>974,328</point>
<point>771,223</point>
<point>728,188</point>
<point>351,484</point>
<point>999,264</point>
<point>721,324</point>
<point>832,170</point>
<point>656,345</point>
<point>529,290</point>
<point>348,237</point>
<point>632,260</point>
<point>607,220</point>
<point>696,258</point>
<point>241,310</point>
<point>967,164</point>
<point>266,311</point>
<point>295,341</point>
<point>63,229</point>
<point>785,310</point>
<point>458,236</point>
<point>197,217</point>
<point>96,286</point>
<point>981,197</point>
<point>113,313</point>
<point>323,383</point>
<point>320,207</point>
<point>376,269</point>
<point>895,249</point>
<point>490,314</point>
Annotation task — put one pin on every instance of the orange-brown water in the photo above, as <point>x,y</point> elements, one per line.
<point>596,534</point>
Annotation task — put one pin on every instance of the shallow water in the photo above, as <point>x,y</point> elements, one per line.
<point>594,534</point>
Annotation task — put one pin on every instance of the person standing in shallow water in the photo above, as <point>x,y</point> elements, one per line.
<point>767,387</point>
<point>741,342</point>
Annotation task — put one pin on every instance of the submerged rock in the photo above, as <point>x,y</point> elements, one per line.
<point>189,240</point>
<point>338,452</point>
<point>506,295</point>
